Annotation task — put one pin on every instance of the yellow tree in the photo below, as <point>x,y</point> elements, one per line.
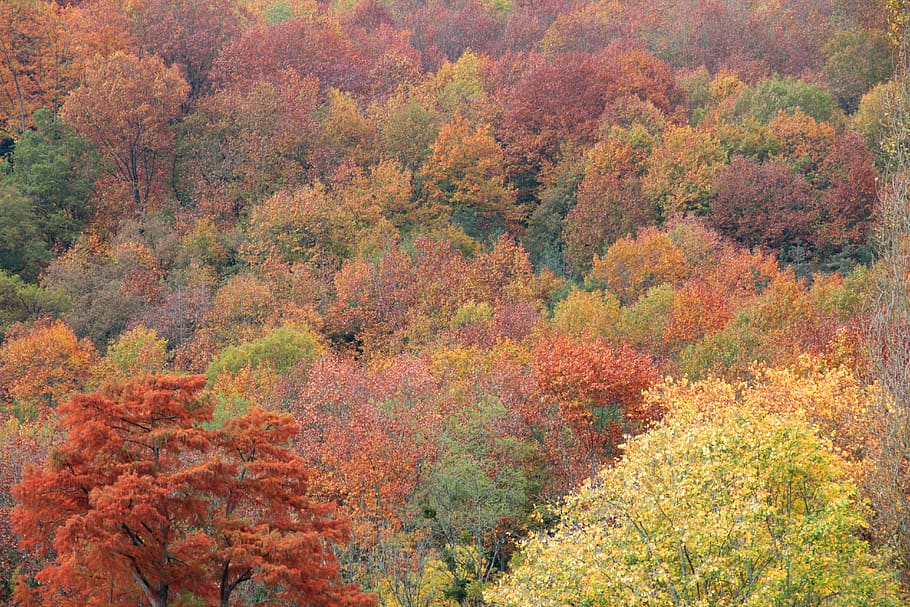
<point>633,265</point>
<point>681,170</point>
<point>726,503</point>
<point>43,364</point>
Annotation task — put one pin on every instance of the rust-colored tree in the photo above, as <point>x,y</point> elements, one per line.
<point>598,389</point>
<point>34,53</point>
<point>142,504</point>
<point>125,106</point>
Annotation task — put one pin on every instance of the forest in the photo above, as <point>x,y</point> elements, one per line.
<point>455,303</point>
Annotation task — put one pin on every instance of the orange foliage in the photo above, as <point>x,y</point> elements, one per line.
<point>40,365</point>
<point>633,265</point>
<point>125,105</point>
<point>599,392</point>
<point>140,503</point>
<point>34,66</point>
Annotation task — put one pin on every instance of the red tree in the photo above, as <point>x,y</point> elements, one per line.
<point>762,204</point>
<point>142,504</point>
<point>598,389</point>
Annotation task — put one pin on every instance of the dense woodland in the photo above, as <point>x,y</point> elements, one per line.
<point>439,303</point>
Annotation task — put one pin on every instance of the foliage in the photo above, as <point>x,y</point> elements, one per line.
<point>725,502</point>
<point>681,171</point>
<point>22,249</point>
<point>169,512</point>
<point>125,106</point>
<point>21,302</point>
<point>770,97</point>
<point>34,72</point>
<point>42,364</point>
<point>281,349</point>
<point>139,352</point>
<point>633,265</point>
<point>463,178</point>
<point>56,169</point>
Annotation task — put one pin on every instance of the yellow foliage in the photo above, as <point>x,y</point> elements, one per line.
<point>587,314</point>
<point>42,365</point>
<point>734,500</point>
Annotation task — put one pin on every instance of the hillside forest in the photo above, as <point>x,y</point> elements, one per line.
<point>454,303</point>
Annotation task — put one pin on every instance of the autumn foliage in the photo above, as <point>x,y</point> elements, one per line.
<point>169,510</point>
<point>434,260</point>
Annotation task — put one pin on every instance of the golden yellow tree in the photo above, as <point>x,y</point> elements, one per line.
<point>726,503</point>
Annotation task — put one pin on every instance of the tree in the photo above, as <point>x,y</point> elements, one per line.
<point>310,225</point>
<point>888,329</point>
<point>855,61</point>
<point>187,33</point>
<point>598,389</point>
<point>610,203</point>
<point>724,504</point>
<point>366,434</point>
<point>23,250</point>
<point>248,140</point>
<point>126,106</point>
<point>40,365</point>
<point>681,170</point>
<point>770,97</point>
<point>56,169</point>
<point>138,352</point>
<point>631,266</point>
<point>464,178</point>
<point>34,57</point>
<point>20,445</point>
<point>762,205</point>
<point>23,302</point>
<point>587,314</point>
<point>167,512</point>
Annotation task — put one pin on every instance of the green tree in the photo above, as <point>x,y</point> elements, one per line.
<point>22,302</point>
<point>280,350</point>
<point>767,98</point>
<point>56,169</point>
<point>22,248</point>
<point>477,487</point>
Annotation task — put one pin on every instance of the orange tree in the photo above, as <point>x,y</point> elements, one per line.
<point>143,504</point>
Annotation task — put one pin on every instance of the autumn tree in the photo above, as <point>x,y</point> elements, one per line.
<point>188,34</point>
<point>170,511</point>
<point>560,101</point>
<point>610,203</point>
<point>681,170</point>
<point>464,178</point>
<point>598,389</point>
<point>40,365</point>
<point>138,352</point>
<point>125,106</point>
<point>633,265</point>
<point>34,61</point>
<point>309,225</point>
<point>248,140</point>
<point>589,314</point>
<point>855,61</point>
<point>725,502</point>
<point>21,444</point>
<point>762,205</point>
